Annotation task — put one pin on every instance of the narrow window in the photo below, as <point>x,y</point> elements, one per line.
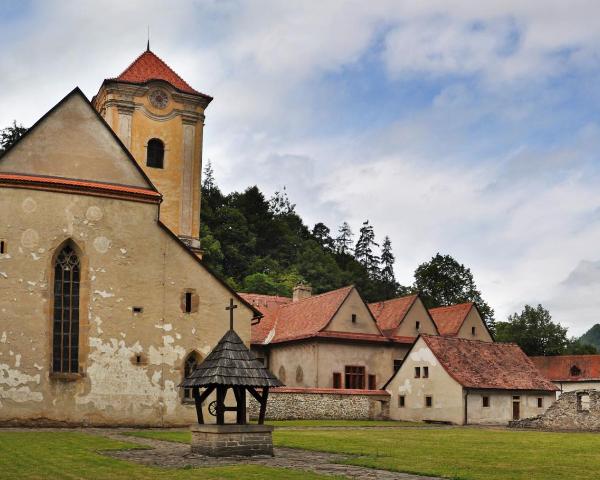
<point>486,401</point>
<point>138,359</point>
<point>428,401</point>
<point>337,380</point>
<point>2,247</point>
<point>354,318</point>
<point>417,372</point>
<point>425,372</point>
<point>540,402</point>
<point>472,330</point>
<point>417,325</point>
<point>155,154</point>
<point>355,377</point>
<point>137,309</point>
<point>397,364</point>
<point>372,382</point>
<point>188,302</point>
<point>401,401</point>
<point>65,326</point>
<point>583,402</point>
<point>189,366</point>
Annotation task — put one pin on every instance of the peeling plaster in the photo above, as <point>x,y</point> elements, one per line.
<point>424,355</point>
<point>13,385</point>
<point>167,327</point>
<point>3,338</point>
<point>167,354</point>
<point>104,293</point>
<point>3,275</point>
<point>406,387</point>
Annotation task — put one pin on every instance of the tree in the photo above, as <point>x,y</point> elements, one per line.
<point>363,250</point>
<point>387,261</point>
<point>280,203</point>
<point>576,347</point>
<point>592,336</point>
<point>322,234</point>
<point>443,281</point>
<point>208,182</point>
<point>343,242</point>
<point>534,331</point>
<point>10,135</point>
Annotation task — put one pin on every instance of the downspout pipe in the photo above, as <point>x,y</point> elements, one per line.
<point>466,419</point>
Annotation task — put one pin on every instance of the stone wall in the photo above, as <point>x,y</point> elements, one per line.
<point>324,403</point>
<point>576,410</point>
<point>232,440</point>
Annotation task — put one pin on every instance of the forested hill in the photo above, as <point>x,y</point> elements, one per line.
<point>592,336</point>
<point>262,245</point>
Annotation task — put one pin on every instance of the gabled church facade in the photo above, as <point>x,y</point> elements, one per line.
<point>105,304</point>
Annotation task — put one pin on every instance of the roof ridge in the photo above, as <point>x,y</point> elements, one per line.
<point>320,295</point>
<point>403,297</point>
<point>452,306</point>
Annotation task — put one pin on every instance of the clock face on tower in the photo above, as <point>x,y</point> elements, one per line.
<point>159,98</point>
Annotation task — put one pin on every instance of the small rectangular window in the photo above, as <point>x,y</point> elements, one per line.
<point>472,330</point>
<point>188,302</point>
<point>372,382</point>
<point>2,247</point>
<point>540,402</point>
<point>486,401</point>
<point>425,372</point>
<point>337,380</point>
<point>137,309</point>
<point>354,318</point>
<point>417,372</point>
<point>428,401</point>
<point>401,401</point>
<point>397,364</point>
<point>417,325</point>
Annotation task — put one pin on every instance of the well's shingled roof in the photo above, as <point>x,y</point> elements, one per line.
<point>231,363</point>
<point>448,320</point>
<point>486,365</point>
<point>390,313</point>
<point>558,368</point>
<point>148,66</point>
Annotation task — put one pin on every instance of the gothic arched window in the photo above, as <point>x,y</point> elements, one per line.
<point>156,153</point>
<point>189,366</point>
<point>65,327</point>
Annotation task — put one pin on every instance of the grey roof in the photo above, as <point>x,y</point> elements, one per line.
<point>231,363</point>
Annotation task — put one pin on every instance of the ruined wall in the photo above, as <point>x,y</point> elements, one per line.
<point>318,404</point>
<point>128,261</point>
<point>576,410</point>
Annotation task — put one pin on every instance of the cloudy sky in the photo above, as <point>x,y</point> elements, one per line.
<point>465,127</point>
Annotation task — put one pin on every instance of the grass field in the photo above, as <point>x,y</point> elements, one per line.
<point>72,455</point>
<point>458,453</point>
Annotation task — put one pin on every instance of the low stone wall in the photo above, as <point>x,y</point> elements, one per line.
<point>324,403</point>
<point>232,440</point>
<point>576,410</point>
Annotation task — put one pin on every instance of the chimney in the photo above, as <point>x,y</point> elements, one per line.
<point>301,292</point>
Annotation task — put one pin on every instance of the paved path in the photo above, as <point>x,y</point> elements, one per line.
<point>178,455</point>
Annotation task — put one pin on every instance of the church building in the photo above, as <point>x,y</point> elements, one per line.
<point>105,303</point>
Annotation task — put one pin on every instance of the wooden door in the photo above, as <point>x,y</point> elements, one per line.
<point>516,410</point>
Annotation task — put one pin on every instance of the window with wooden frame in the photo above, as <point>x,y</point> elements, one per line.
<point>337,380</point>
<point>372,382</point>
<point>417,372</point>
<point>401,401</point>
<point>190,364</point>
<point>355,377</point>
<point>425,372</point>
<point>155,154</point>
<point>485,401</point>
<point>65,315</point>
<point>429,401</point>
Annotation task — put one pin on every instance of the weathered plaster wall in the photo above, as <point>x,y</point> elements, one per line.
<point>318,405</point>
<point>572,386</point>
<point>417,313</point>
<point>342,320</point>
<point>474,320</point>
<point>448,405</point>
<point>295,364</point>
<point>500,410</point>
<point>127,260</point>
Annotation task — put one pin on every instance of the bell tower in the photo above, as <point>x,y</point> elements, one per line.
<point>160,119</point>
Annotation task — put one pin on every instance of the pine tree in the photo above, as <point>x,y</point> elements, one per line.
<point>280,204</point>
<point>387,261</point>
<point>343,242</point>
<point>208,183</point>
<point>10,135</point>
<point>363,251</point>
<point>322,235</point>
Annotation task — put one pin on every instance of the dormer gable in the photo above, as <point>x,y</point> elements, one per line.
<point>353,316</point>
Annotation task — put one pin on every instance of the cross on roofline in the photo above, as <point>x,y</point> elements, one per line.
<point>231,307</point>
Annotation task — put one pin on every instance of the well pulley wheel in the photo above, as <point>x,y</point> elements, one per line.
<point>212,408</point>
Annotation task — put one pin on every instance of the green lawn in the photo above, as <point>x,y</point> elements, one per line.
<point>72,455</point>
<point>458,453</point>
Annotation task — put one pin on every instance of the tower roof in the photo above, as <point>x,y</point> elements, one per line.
<point>148,66</point>
<point>231,363</point>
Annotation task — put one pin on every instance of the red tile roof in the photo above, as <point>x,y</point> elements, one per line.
<point>67,185</point>
<point>389,314</point>
<point>448,320</point>
<point>486,365</point>
<point>559,368</point>
<point>149,66</point>
<point>269,306</point>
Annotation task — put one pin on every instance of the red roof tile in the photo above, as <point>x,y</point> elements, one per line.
<point>448,320</point>
<point>66,184</point>
<point>389,314</point>
<point>149,66</point>
<point>269,306</point>
<point>486,365</point>
<point>561,368</point>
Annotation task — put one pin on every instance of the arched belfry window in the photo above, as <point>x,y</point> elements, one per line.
<point>189,366</point>
<point>156,153</point>
<point>65,354</point>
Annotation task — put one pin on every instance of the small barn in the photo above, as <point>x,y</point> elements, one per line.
<point>460,381</point>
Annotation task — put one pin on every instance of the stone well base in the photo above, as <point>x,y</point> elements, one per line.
<point>232,440</point>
